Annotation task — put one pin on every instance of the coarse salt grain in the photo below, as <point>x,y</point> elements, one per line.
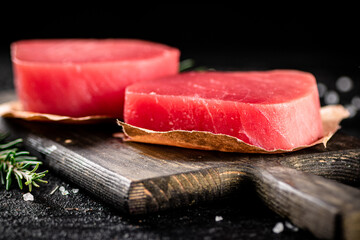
<point>344,84</point>
<point>322,88</point>
<point>28,197</point>
<point>356,102</point>
<point>278,228</point>
<point>331,97</point>
<point>218,218</point>
<point>352,110</point>
<point>63,191</point>
<point>75,190</point>
<point>291,227</point>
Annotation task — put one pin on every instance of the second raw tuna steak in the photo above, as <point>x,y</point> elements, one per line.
<point>277,109</point>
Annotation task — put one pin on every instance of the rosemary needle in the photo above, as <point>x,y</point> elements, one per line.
<point>19,165</point>
<point>189,65</point>
<point>186,64</point>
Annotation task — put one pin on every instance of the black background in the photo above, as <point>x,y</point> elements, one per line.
<point>232,28</point>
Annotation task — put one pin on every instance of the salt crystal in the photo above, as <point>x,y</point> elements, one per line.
<point>50,149</point>
<point>322,88</point>
<point>63,191</point>
<point>331,97</point>
<point>344,84</point>
<point>278,228</point>
<point>75,190</point>
<point>28,197</point>
<point>218,218</point>
<point>66,192</point>
<point>356,102</point>
<point>291,227</point>
<point>352,110</point>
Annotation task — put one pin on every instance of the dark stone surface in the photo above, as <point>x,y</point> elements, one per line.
<point>83,216</point>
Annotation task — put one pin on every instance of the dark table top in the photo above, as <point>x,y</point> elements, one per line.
<point>80,215</point>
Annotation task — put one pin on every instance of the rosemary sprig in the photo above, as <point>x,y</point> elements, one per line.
<point>189,64</point>
<point>19,165</point>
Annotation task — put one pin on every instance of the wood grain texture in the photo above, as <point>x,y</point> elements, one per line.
<point>141,178</point>
<point>326,208</point>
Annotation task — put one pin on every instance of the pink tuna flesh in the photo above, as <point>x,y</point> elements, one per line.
<point>276,109</point>
<point>82,77</point>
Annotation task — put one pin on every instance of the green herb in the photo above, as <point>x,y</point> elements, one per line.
<point>18,165</point>
<point>188,64</point>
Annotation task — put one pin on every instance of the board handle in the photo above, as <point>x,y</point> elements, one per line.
<point>328,209</point>
<point>340,165</point>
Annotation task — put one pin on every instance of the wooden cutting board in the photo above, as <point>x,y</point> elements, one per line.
<point>141,178</point>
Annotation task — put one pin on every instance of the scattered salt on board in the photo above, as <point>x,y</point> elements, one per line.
<point>28,197</point>
<point>278,228</point>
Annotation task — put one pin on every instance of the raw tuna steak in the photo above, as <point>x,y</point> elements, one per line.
<point>277,109</point>
<point>82,77</point>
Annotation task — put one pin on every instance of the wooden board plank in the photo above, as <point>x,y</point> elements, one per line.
<point>142,178</point>
<point>91,157</point>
